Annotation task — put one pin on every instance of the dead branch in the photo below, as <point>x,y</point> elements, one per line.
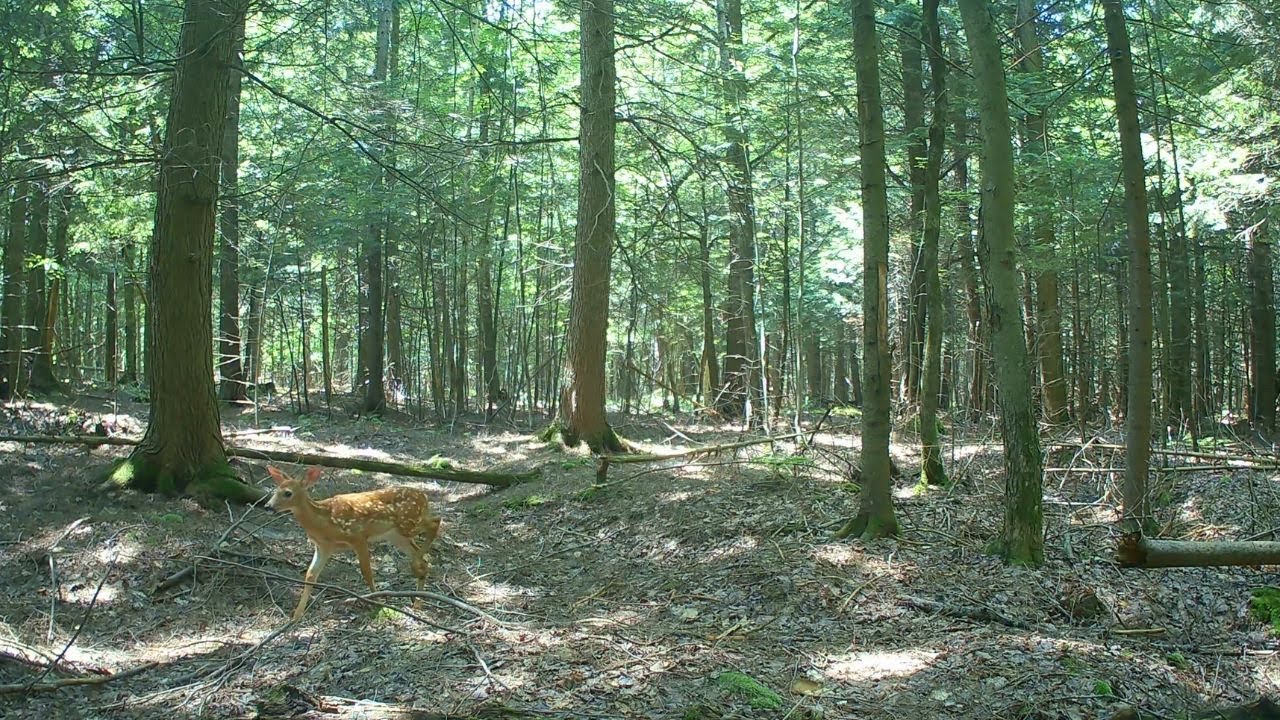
<point>74,681</point>
<point>964,612</point>
<point>694,452</point>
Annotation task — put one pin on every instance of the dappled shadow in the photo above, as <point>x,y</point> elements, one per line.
<point>628,600</point>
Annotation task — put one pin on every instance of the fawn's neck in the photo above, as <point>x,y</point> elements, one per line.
<point>311,515</point>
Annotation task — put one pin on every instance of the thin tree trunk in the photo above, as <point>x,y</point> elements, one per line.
<point>1262,329</point>
<point>916,132</point>
<point>932,471</point>
<point>37,247</point>
<point>11,305</point>
<point>111,353</point>
<point>1138,417</point>
<point>325,357</point>
<point>1022,539</point>
<point>230,368</point>
<point>131,302</point>
<point>742,358</point>
<point>875,516</point>
<point>1048,311</point>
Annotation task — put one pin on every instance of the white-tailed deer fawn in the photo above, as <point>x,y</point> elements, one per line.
<point>399,515</point>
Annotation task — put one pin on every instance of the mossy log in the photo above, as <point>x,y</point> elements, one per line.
<point>1137,550</point>
<point>408,469</point>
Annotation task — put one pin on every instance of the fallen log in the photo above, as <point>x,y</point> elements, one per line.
<point>409,469</point>
<point>1261,709</point>
<point>404,469</point>
<point>1137,550</point>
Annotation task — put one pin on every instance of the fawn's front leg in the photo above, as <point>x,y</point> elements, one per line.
<point>318,562</point>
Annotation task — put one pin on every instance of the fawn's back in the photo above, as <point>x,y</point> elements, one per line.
<point>376,514</point>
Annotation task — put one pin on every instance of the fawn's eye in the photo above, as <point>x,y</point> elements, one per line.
<point>287,493</point>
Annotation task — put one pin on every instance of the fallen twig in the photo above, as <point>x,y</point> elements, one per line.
<point>980,613</point>
<point>74,681</point>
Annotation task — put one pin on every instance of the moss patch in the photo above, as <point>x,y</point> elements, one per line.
<point>1265,605</point>
<point>755,692</point>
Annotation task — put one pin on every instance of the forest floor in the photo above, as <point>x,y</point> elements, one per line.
<point>692,589</point>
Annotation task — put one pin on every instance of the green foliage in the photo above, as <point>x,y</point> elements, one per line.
<point>171,519</point>
<point>526,503</point>
<point>1177,660</point>
<point>1103,688</point>
<point>756,693</point>
<point>1265,606</point>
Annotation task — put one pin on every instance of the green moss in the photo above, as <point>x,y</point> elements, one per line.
<point>529,501</point>
<point>171,519</point>
<point>756,693</point>
<point>1103,688</point>
<point>1177,660</point>
<point>142,473</point>
<point>1265,605</point>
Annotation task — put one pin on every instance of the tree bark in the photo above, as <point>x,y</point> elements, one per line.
<point>1048,312</point>
<point>11,305</point>
<point>230,368</point>
<point>131,301</point>
<point>42,376</point>
<point>1262,329</point>
<point>1136,550</point>
<point>111,332</point>
<point>875,516</point>
<point>183,448</point>
<point>325,356</point>
<point>1138,414</point>
<point>932,471</point>
<point>37,248</point>
<point>741,397</point>
<point>1022,540</point>
<point>916,133</point>
<point>582,414</point>
<point>375,394</point>
<point>709,364</point>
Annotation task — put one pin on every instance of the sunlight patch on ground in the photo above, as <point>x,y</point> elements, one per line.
<point>619,618</point>
<point>839,554</point>
<point>481,592</point>
<point>741,546</point>
<point>877,665</point>
<point>83,594</point>
<point>677,496</point>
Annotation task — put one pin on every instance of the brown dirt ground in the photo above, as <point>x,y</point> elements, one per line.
<point>627,601</point>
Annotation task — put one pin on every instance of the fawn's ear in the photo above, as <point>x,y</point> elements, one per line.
<point>313,474</point>
<point>276,474</point>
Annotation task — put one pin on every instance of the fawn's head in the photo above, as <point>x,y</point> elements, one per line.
<point>290,490</point>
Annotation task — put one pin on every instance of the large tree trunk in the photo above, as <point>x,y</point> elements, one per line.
<point>229,367</point>
<point>875,516</point>
<point>182,448</point>
<point>1138,414</point>
<point>932,471</point>
<point>582,416</point>
<point>1023,533</point>
<point>742,357</point>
